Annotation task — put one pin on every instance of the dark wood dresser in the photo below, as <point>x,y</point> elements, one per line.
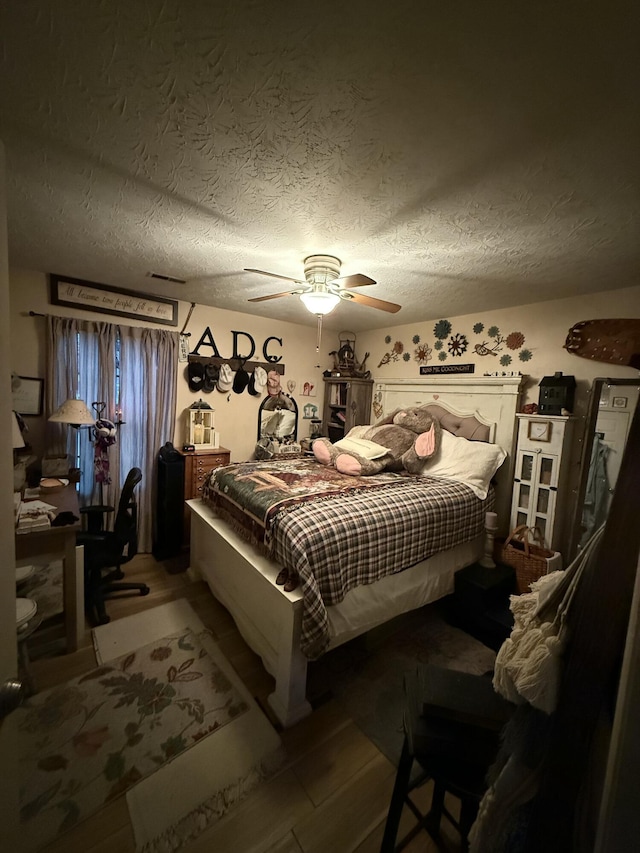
<point>197,464</point>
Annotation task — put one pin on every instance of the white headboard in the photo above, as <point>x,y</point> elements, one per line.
<point>492,399</point>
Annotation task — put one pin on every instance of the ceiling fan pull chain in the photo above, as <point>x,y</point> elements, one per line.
<point>319,337</point>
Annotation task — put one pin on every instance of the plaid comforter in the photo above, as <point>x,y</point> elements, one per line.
<point>357,535</point>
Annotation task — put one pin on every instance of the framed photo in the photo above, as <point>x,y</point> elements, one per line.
<point>309,412</point>
<point>90,296</point>
<point>27,393</point>
<point>619,402</point>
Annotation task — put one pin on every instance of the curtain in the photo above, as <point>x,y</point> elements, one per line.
<point>61,379</point>
<point>148,395</point>
<point>132,370</point>
<point>81,365</point>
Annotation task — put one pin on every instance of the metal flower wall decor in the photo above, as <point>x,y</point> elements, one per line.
<point>449,344</point>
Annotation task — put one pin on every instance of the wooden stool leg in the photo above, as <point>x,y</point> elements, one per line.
<point>25,663</point>
<point>400,790</point>
<point>468,813</point>
<point>437,806</point>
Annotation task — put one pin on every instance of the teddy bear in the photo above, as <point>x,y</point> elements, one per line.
<point>410,435</point>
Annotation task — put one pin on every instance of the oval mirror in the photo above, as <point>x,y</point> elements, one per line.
<point>278,418</point>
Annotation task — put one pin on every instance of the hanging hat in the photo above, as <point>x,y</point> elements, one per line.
<point>258,381</point>
<point>211,373</point>
<point>273,383</point>
<point>225,380</point>
<point>241,379</point>
<point>195,375</point>
<point>260,378</point>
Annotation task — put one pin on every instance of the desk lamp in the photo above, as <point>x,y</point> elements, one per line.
<point>74,412</point>
<point>17,440</point>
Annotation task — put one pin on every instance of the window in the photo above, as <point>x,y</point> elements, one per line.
<point>133,371</point>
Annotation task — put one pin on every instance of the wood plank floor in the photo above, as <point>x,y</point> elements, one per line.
<point>332,794</point>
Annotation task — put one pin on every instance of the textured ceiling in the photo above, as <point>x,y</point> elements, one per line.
<point>467,156</point>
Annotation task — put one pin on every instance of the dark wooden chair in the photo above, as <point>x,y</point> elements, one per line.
<point>110,550</point>
<point>452,724</point>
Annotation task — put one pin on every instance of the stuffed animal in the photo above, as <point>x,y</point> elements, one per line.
<point>410,436</point>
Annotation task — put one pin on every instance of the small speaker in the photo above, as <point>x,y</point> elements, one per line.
<point>169,503</point>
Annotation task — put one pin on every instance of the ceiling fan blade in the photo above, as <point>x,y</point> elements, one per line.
<point>275,275</point>
<point>391,307</point>
<point>273,296</point>
<point>357,280</point>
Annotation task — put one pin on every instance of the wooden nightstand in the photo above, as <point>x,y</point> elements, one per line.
<point>481,602</point>
<point>197,464</point>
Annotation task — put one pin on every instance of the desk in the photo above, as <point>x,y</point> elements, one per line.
<point>61,542</point>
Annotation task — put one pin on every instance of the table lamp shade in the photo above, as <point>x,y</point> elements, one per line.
<point>74,412</point>
<point>16,433</point>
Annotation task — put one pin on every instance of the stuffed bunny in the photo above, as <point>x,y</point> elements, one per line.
<point>410,436</point>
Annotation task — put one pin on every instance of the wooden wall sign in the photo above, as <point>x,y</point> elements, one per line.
<point>446,369</point>
<point>90,296</point>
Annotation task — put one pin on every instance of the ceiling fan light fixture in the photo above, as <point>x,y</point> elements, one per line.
<point>319,303</point>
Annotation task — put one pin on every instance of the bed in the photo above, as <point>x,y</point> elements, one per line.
<point>288,628</point>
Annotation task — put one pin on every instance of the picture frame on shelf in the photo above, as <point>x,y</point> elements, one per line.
<point>539,430</point>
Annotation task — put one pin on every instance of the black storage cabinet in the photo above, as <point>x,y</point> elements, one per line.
<point>169,503</point>
<point>481,602</point>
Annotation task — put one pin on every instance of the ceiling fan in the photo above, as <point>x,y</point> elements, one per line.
<point>322,288</point>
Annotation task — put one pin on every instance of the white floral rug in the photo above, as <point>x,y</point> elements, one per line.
<point>85,742</point>
<point>45,587</point>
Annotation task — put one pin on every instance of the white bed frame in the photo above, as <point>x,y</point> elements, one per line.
<point>270,620</point>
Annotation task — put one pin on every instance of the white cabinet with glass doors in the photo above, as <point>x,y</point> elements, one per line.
<point>542,465</point>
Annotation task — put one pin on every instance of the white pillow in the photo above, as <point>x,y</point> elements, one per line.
<point>358,431</point>
<point>287,423</point>
<point>470,462</point>
<point>271,423</point>
<point>362,446</point>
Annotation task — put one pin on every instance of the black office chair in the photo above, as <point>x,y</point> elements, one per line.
<point>110,550</point>
<point>453,721</point>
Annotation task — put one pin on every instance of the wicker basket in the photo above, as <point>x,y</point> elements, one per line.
<point>529,560</point>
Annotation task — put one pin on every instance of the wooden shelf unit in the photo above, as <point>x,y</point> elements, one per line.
<point>347,403</point>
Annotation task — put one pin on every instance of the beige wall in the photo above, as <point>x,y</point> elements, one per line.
<point>544,326</point>
<point>236,414</point>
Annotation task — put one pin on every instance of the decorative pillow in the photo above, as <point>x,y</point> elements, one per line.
<point>470,462</point>
<point>361,446</point>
